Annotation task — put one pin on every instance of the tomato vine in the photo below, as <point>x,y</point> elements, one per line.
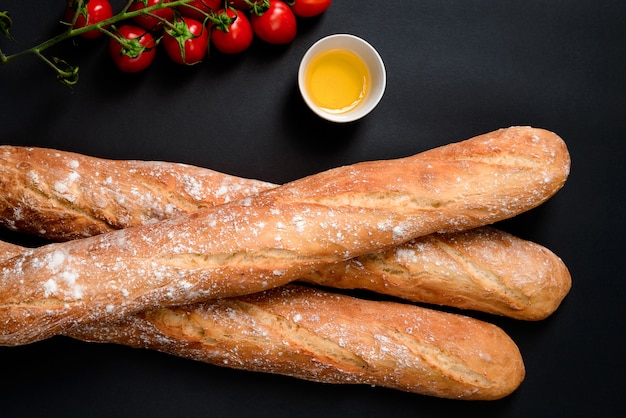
<point>66,73</point>
<point>233,22</point>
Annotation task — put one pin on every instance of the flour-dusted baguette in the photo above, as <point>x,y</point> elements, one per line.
<point>62,195</point>
<point>325,337</point>
<point>278,235</point>
<point>329,338</point>
<point>482,269</point>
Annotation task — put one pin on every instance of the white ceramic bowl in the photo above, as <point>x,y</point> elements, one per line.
<point>371,58</point>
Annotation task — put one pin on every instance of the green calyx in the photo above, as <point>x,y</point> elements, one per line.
<point>132,48</point>
<point>222,21</point>
<point>180,31</point>
<point>258,7</point>
<point>5,24</point>
<point>66,74</point>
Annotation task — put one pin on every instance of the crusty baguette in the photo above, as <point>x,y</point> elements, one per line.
<point>324,337</point>
<point>279,235</point>
<point>287,331</point>
<point>62,195</point>
<point>482,269</point>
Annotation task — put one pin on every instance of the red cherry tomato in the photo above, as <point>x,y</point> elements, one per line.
<point>276,25</point>
<point>206,6</point>
<point>309,8</point>
<point>154,20</point>
<point>187,42</point>
<point>91,12</point>
<point>233,38</point>
<point>135,49</point>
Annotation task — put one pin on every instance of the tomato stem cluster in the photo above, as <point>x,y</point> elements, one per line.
<point>66,73</point>
<point>258,7</point>
<point>184,27</point>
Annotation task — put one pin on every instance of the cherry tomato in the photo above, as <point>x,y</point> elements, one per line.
<point>135,49</point>
<point>309,8</point>
<point>187,42</point>
<point>91,12</point>
<point>207,6</point>
<point>147,21</point>
<point>235,37</point>
<point>276,25</point>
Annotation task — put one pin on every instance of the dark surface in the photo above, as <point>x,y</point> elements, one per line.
<point>455,69</point>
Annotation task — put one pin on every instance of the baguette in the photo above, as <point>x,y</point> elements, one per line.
<point>482,269</point>
<point>278,235</point>
<point>287,332</point>
<point>63,196</point>
<point>324,337</point>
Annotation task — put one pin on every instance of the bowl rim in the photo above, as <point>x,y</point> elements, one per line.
<point>364,47</point>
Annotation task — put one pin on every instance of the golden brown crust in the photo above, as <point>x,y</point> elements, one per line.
<point>324,337</point>
<point>482,269</point>
<point>279,235</point>
<point>267,333</point>
<point>36,198</point>
<point>62,195</point>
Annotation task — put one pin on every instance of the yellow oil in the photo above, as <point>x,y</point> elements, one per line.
<point>337,80</point>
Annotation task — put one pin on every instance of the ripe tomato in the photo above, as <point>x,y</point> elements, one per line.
<point>147,21</point>
<point>207,6</point>
<point>235,37</point>
<point>276,25</point>
<point>309,8</point>
<point>135,49</point>
<point>91,12</point>
<point>187,42</point>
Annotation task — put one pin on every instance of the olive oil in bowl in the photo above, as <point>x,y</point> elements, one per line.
<point>341,78</point>
<point>337,80</point>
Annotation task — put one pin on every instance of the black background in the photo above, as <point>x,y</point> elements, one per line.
<point>455,69</point>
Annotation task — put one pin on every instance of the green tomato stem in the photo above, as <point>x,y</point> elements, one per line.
<point>72,32</point>
<point>258,7</point>
<point>67,77</point>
